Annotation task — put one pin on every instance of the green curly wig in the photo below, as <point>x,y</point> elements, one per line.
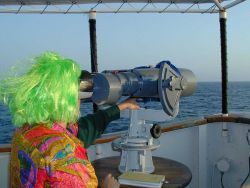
<point>47,93</point>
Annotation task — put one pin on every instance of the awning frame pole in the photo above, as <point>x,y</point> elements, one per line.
<point>93,46</point>
<point>224,72</point>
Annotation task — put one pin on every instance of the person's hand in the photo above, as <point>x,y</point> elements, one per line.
<point>110,182</point>
<point>128,104</point>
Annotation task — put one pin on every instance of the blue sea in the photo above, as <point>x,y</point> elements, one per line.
<point>205,101</point>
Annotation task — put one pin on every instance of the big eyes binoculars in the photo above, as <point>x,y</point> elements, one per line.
<point>164,83</point>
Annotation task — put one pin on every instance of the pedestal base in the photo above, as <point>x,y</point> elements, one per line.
<point>177,174</point>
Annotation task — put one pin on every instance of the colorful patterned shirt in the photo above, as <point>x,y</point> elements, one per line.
<point>52,156</point>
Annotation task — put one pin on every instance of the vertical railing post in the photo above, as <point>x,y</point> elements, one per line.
<point>93,46</point>
<point>224,75</point>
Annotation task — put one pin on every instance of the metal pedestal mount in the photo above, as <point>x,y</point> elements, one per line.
<point>140,140</point>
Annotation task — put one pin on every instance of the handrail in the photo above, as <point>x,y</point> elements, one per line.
<point>177,126</point>
<point>207,120</point>
<point>5,149</point>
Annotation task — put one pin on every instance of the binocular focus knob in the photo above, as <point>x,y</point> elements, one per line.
<point>155,131</point>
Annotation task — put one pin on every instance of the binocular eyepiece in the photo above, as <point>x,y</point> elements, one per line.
<point>164,82</point>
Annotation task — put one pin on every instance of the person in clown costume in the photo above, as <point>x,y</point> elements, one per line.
<point>49,145</point>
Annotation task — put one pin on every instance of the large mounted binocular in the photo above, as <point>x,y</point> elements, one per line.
<point>164,83</point>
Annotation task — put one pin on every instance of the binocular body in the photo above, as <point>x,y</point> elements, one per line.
<point>164,83</point>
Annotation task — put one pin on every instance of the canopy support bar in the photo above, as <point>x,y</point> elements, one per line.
<point>93,46</point>
<point>234,3</point>
<point>110,6</point>
<point>224,76</point>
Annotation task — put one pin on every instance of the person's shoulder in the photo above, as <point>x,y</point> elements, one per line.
<point>39,133</point>
<point>52,142</point>
<point>45,138</point>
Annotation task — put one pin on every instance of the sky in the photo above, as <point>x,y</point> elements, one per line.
<point>125,41</point>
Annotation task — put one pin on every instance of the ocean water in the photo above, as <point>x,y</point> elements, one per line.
<point>205,101</point>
